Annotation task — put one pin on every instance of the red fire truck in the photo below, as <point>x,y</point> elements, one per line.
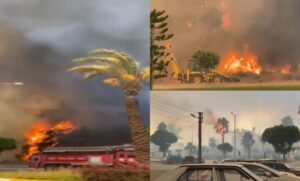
<point>56,157</point>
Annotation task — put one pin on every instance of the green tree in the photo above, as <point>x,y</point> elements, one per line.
<point>163,138</point>
<point>158,50</point>
<point>205,59</point>
<point>287,121</point>
<point>190,148</point>
<point>225,147</point>
<point>281,138</point>
<point>247,142</point>
<point>123,72</point>
<point>7,144</point>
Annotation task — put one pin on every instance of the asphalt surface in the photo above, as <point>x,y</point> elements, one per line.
<point>14,167</point>
<point>158,169</point>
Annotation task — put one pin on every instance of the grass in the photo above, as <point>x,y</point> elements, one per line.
<point>61,175</point>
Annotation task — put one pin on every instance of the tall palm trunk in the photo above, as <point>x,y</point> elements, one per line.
<point>137,131</point>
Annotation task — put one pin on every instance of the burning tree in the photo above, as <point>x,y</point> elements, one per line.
<point>221,127</point>
<point>42,136</point>
<point>124,73</point>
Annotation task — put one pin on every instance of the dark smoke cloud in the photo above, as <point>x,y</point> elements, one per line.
<point>38,40</point>
<point>270,28</point>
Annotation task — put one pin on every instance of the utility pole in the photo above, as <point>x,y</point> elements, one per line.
<point>234,135</point>
<point>200,121</point>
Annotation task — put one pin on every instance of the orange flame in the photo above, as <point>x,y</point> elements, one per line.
<point>232,64</point>
<point>226,21</point>
<point>220,128</point>
<point>285,69</point>
<point>37,134</point>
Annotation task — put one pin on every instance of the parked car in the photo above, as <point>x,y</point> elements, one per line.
<point>210,172</point>
<point>276,165</point>
<point>268,173</point>
<point>281,166</point>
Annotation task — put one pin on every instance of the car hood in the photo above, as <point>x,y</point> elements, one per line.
<point>286,178</point>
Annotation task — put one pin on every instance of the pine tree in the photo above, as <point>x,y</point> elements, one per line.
<point>158,35</point>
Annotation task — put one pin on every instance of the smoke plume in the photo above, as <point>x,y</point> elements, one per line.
<point>270,28</point>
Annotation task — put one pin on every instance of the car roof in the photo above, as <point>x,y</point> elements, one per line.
<point>261,165</point>
<point>211,165</point>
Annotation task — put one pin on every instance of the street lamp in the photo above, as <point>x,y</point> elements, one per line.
<point>200,121</point>
<point>234,135</point>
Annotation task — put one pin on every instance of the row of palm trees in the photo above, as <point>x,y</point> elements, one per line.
<point>120,71</point>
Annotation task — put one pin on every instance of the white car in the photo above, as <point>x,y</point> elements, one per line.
<point>210,172</point>
<point>268,173</point>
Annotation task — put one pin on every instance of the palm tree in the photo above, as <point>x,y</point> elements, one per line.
<point>247,142</point>
<point>222,127</point>
<point>212,144</point>
<point>121,71</point>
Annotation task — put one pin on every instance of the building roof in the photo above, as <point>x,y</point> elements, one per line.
<point>125,147</point>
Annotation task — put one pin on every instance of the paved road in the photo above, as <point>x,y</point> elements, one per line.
<point>158,169</point>
<point>14,167</point>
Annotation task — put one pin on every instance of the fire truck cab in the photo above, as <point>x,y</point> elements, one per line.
<point>82,156</point>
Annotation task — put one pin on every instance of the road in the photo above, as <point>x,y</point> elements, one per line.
<point>158,169</point>
<point>14,167</point>
<point>271,85</point>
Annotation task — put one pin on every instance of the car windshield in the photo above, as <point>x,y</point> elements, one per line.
<point>260,170</point>
<point>288,166</point>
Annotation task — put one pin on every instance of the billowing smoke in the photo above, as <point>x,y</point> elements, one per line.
<point>38,40</point>
<point>270,28</point>
<point>209,117</point>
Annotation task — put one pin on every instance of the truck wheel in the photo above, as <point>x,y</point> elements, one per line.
<point>218,80</point>
<point>196,80</point>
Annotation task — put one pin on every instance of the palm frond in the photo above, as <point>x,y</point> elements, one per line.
<point>145,73</point>
<point>92,74</point>
<point>114,82</point>
<point>105,69</point>
<point>127,61</point>
<point>110,60</point>
<point>128,77</point>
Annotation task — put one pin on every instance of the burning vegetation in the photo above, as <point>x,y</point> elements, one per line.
<point>43,135</point>
<point>232,64</point>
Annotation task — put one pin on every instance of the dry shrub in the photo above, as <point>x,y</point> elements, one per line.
<point>120,173</point>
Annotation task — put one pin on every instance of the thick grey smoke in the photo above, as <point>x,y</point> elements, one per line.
<point>269,28</point>
<point>38,40</point>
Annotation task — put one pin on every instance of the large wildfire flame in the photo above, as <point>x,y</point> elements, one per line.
<point>39,134</point>
<point>232,64</point>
